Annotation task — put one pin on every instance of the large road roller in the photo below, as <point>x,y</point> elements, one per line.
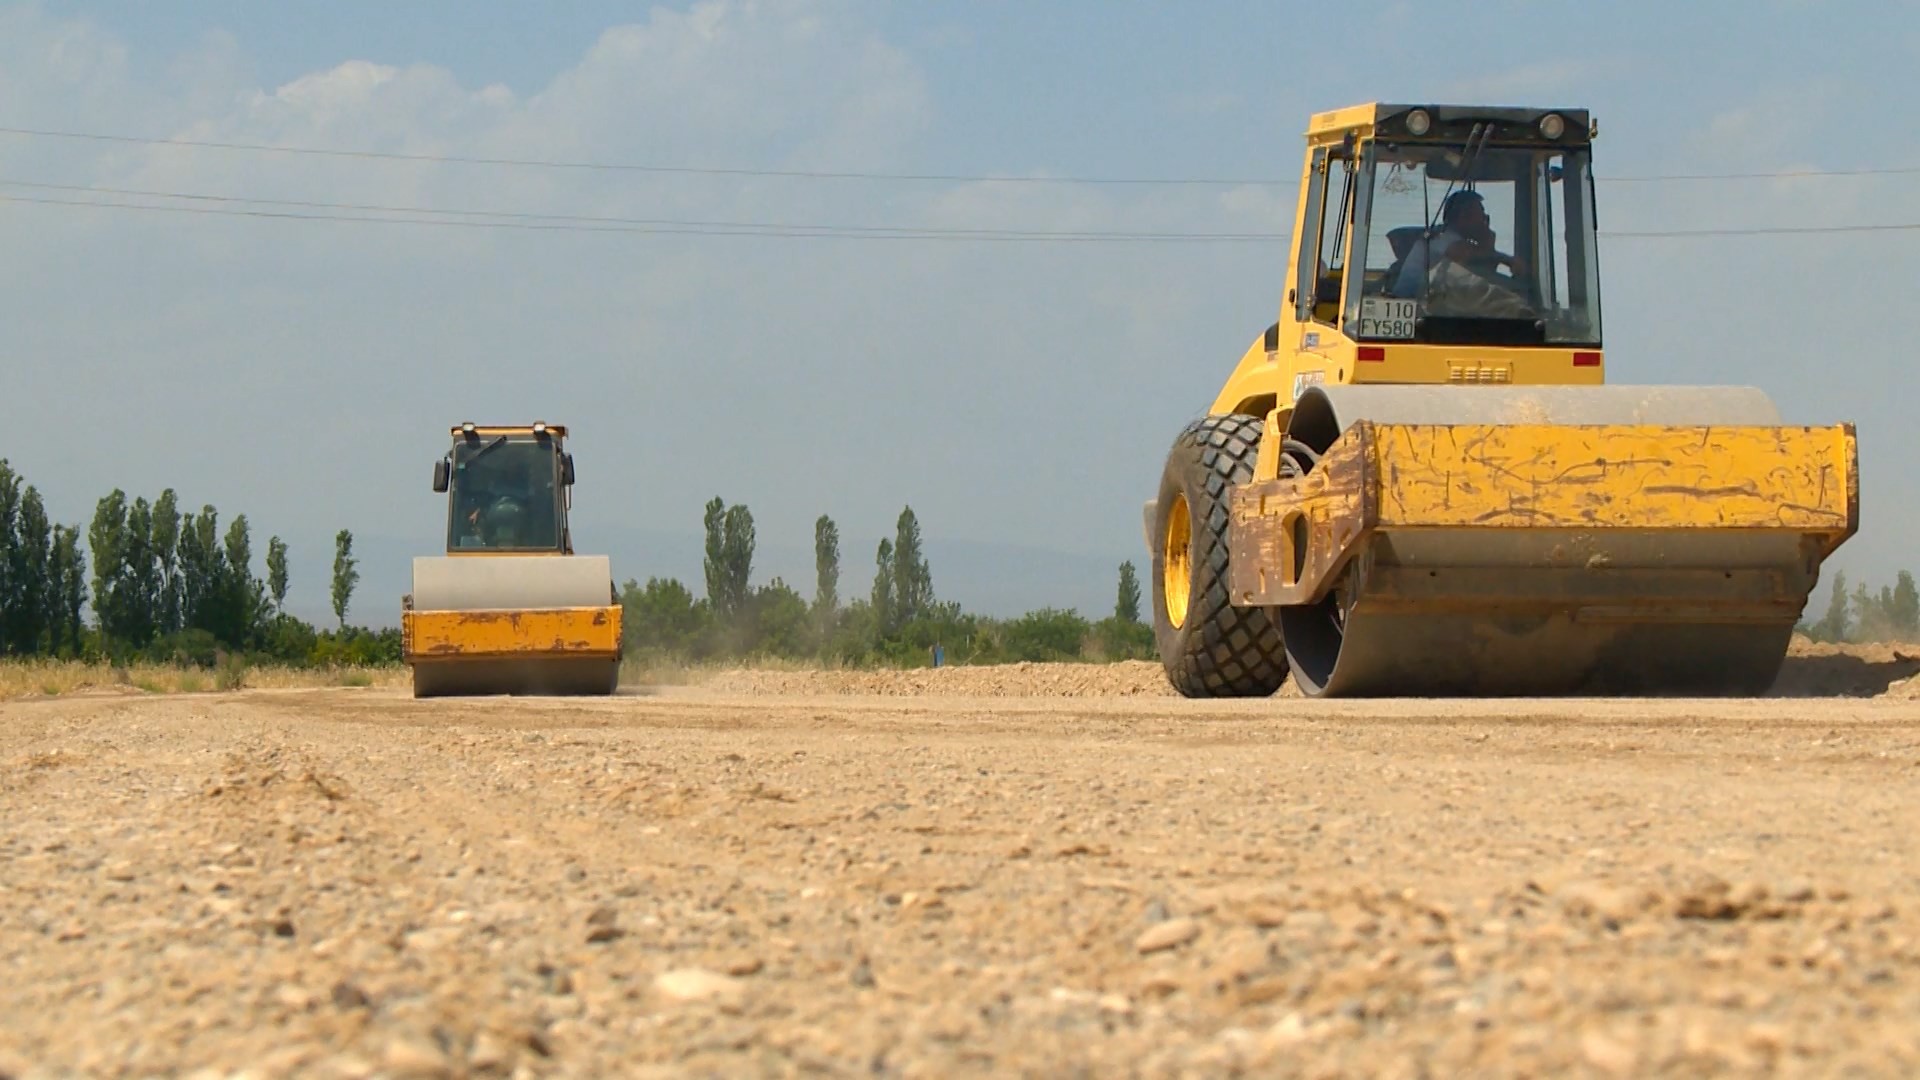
<point>1418,483</point>
<point>510,609</point>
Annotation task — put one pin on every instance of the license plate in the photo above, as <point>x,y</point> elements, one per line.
<point>1386,317</point>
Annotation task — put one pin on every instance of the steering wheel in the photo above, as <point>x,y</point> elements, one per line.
<point>1478,291</point>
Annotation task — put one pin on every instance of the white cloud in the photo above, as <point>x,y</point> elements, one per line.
<point>349,87</point>
<point>299,371</point>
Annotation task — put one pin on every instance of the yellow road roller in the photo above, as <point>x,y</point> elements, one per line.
<point>510,609</point>
<point>1417,483</point>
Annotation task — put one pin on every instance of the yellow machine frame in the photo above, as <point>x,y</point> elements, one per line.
<point>1449,539</point>
<point>1297,352</point>
<point>508,637</point>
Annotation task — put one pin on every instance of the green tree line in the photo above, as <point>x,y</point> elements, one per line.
<point>1890,614</point>
<point>151,580</point>
<point>899,621</point>
<point>161,583</point>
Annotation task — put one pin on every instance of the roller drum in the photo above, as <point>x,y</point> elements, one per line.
<point>513,583</point>
<point>509,582</point>
<point>1548,611</point>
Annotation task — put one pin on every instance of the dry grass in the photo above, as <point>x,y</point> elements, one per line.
<point>22,678</point>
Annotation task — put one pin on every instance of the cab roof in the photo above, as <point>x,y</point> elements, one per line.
<point>1384,118</point>
<point>558,431</point>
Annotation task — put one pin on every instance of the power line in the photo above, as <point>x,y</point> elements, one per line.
<point>603,166</point>
<point>507,215</point>
<point>538,163</point>
<point>769,230</point>
<point>1763,230</point>
<point>1784,174</point>
<point>362,213</point>
<point>577,223</point>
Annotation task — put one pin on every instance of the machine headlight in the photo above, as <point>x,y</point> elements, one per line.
<point>1552,126</point>
<point>1418,122</point>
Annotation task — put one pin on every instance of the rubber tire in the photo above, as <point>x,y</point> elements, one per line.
<point>1220,650</point>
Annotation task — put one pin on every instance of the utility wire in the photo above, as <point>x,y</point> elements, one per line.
<point>917,231</point>
<point>1784,174</point>
<point>537,163</point>
<point>222,207</point>
<point>767,230</point>
<point>1763,230</point>
<point>211,144</point>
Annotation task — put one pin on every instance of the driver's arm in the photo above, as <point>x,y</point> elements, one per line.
<point>1466,250</point>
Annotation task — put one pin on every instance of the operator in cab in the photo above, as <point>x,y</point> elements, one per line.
<point>499,501</point>
<point>1453,271</point>
<point>1465,238</point>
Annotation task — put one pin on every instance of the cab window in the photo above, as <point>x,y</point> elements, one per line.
<point>1331,261</point>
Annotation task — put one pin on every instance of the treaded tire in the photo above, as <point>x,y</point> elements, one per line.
<point>1218,650</point>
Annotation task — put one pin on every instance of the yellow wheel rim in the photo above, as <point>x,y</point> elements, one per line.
<point>1177,577</point>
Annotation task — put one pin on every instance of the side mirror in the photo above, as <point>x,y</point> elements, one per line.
<point>566,469</point>
<point>440,475</point>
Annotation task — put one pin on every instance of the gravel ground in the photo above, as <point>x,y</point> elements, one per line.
<point>1036,870</point>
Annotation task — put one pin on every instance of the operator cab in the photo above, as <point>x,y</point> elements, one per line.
<point>507,490</point>
<point>1469,226</point>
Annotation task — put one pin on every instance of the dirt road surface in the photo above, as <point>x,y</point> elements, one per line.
<point>1028,871</point>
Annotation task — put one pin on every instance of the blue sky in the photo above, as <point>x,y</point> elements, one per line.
<point>1014,394</point>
